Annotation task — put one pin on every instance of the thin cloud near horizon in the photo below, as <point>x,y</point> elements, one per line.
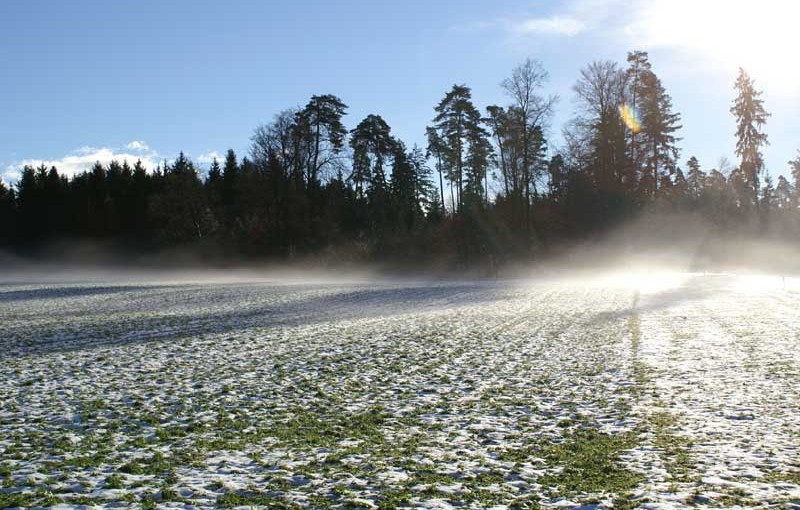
<point>83,158</point>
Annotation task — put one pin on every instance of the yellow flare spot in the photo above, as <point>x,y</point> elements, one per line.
<point>630,117</point>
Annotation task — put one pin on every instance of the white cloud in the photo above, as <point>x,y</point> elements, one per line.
<point>554,25</point>
<point>85,149</point>
<point>10,175</point>
<point>208,157</point>
<point>138,145</point>
<point>82,159</point>
<point>573,17</point>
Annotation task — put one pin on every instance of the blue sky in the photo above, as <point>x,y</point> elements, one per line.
<point>87,80</point>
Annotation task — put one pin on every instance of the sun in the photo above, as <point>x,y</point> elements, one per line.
<point>758,36</point>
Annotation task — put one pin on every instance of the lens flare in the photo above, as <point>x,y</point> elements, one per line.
<point>630,117</point>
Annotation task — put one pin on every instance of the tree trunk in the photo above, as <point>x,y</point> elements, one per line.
<point>655,170</point>
<point>503,168</point>
<point>527,171</point>
<point>452,199</point>
<point>316,150</point>
<point>441,182</point>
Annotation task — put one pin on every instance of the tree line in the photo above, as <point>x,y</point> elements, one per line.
<point>488,185</point>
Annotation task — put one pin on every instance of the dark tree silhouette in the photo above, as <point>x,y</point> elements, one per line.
<point>484,189</point>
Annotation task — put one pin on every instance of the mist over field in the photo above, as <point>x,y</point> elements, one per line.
<point>679,242</point>
<point>627,386</point>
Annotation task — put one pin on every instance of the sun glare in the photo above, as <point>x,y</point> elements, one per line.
<point>759,36</point>
<point>762,283</point>
<point>645,281</point>
<point>630,116</point>
<point>655,281</point>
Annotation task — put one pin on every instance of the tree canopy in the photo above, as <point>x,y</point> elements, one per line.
<point>487,187</point>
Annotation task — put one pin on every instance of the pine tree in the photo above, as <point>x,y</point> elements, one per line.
<point>695,178</point>
<point>794,165</point>
<point>478,160</point>
<point>180,209</point>
<point>373,150</point>
<point>424,187</point>
<point>639,68</point>
<point>436,150</point>
<point>53,201</point>
<point>7,215</point>
<point>182,166</point>
<point>230,180</point>
<point>319,127</point>
<point>214,171</point>
<point>557,177</point>
<point>465,147</point>
<point>29,204</point>
<point>141,189</point>
<point>405,200</point>
<point>499,125</point>
<point>659,123</point>
<point>450,124</point>
<point>768,195</point>
<point>213,186</point>
<point>678,186</point>
<point>784,194</point>
<point>748,108</point>
<point>373,147</point>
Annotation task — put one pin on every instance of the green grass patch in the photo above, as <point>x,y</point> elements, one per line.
<point>792,477</point>
<point>590,462</point>
<point>41,498</point>
<point>675,449</point>
<point>115,481</point>
<point>252,498</point>
<point>155,465</point>
<point>312,429</point>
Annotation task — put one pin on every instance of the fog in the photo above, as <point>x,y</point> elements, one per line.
<point>674,242</point>
<point>677,242</point>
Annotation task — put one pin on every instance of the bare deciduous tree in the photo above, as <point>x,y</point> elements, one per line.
<point>533,110</point>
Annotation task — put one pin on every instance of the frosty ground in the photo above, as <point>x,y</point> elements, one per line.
<point>649,390</point>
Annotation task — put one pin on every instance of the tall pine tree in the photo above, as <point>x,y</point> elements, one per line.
<point>748,108</point>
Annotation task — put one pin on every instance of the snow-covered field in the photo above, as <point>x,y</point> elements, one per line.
<point>650,390</point>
